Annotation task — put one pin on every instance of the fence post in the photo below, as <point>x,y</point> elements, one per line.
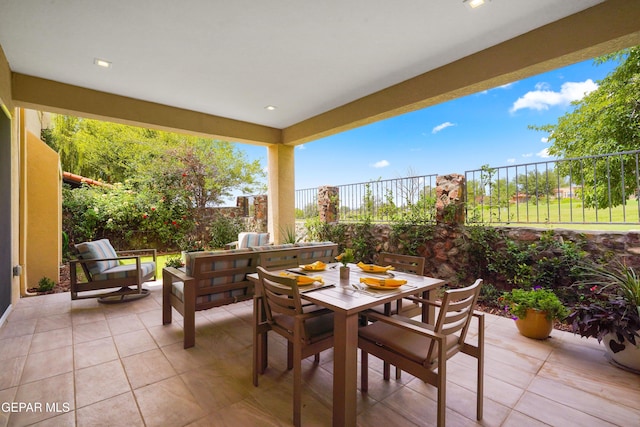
<point>450,199</point>
<point>328,201</point>
<point>260,212</point>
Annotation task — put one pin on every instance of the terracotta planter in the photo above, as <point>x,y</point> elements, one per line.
<point>626,354</point>
<point>535,325</point>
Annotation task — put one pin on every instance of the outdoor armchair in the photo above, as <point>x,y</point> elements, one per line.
<point>103,269</point>
<point>422,349</point>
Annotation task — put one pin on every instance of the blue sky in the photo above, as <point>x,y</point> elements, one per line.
<point>484,128</point>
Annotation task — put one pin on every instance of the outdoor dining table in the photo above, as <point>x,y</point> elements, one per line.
<point>347,302</point>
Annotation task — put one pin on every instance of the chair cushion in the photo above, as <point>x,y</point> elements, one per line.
<point>177,289</point>
<point>316,328</point>
<point>402,341</point>
<point>248,240</point>
<point>96,250</point>
<point>126,270</point>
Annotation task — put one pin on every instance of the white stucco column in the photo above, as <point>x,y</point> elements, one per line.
<point>281,190</point>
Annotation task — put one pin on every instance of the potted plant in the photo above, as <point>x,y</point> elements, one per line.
<point>345,258</point>
<point>611,312</point>
<point>534,310</point>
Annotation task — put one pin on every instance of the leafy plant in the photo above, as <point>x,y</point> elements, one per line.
<point>174,261</point>
<point>346,257</point>
<point>222,230</point>
<point>45,284</point>
<point>614,305</point>
<point>289,234</point>
<point>518,301</point>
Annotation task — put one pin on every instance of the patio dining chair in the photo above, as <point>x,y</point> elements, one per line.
<point>423,350</point>
<point>307,328</point>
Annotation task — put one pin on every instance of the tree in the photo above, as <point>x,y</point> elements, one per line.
<point>209,170</point>
<point>606,120</point>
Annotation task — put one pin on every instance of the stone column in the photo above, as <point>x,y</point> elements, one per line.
<point>242,203</point>
<point>260,212</point>
<point>328,202</point>
<point>450,199</point>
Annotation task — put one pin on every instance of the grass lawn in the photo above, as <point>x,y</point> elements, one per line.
<point>567,213</point>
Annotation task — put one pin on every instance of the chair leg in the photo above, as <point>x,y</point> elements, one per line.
<point>297,385</point>
<point>442,389</point>
<point>364,374</point>
<point>398,373</point>
<point>480,390</point>
<point>289,355</point>
<point>316,358</point>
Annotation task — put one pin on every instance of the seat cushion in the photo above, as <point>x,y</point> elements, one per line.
<point>127,270</point>
<point>96,250</point>
<point>177,289</point>
<point>316,328</point>
<point>402,341</point>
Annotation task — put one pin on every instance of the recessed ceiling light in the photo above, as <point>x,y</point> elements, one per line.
<point>102,63</point>
<point>474,3</point>
<point>270,107</point>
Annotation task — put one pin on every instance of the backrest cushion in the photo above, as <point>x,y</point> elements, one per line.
<point>96,250</point>
<point>190,259</point>
<point>248,240</point>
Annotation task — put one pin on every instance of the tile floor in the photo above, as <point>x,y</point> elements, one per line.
<point>81,363</point>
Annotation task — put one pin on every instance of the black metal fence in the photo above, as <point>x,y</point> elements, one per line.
<point>381,200</point>
<point>588,190</point>
<point>599,189</point>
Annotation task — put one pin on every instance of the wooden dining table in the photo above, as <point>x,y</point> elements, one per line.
<point>347,298</point>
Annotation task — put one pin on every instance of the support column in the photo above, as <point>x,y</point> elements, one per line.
<point>281,193</point>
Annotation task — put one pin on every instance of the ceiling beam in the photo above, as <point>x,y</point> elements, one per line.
<point>602,29</point>
<point>47,95</point>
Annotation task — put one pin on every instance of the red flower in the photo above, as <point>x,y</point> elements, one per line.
<point>153,208</point>
<point>594,288</point>
<point>173,222</point>
<point>145,216</point>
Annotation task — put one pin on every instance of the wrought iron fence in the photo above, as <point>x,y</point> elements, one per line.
<point>381,200</point>
<point>589,190</point>
<point>599,189</point>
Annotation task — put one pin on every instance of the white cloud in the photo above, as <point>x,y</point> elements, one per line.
<point>511,160</point>
<point>442,126</point>
<point>527,155</point>
<point>542,98</point>
<point>543,153</point>
<point>380,164</point>
<point>301,147</point>
<point>544,139</point>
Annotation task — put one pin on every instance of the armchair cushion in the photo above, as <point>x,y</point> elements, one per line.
<point>96,250</point>
<point>126,270</point>
<point>248,240</point>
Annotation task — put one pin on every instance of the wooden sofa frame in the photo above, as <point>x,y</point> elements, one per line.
<point>231,269</point>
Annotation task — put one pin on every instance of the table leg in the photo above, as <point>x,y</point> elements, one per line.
<point>345,369</point>
<point>429,310</point>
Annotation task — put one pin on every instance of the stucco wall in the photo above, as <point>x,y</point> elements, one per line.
<point>43,212</point>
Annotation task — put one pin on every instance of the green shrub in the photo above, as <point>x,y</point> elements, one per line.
<point>174,261</point>
<point>45,284</point>
<point>224,230</point>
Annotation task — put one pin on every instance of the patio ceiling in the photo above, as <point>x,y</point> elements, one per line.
<point>212,67</point>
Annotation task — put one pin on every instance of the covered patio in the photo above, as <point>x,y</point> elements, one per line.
<point>97,364</point>
<point>278,74</point>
